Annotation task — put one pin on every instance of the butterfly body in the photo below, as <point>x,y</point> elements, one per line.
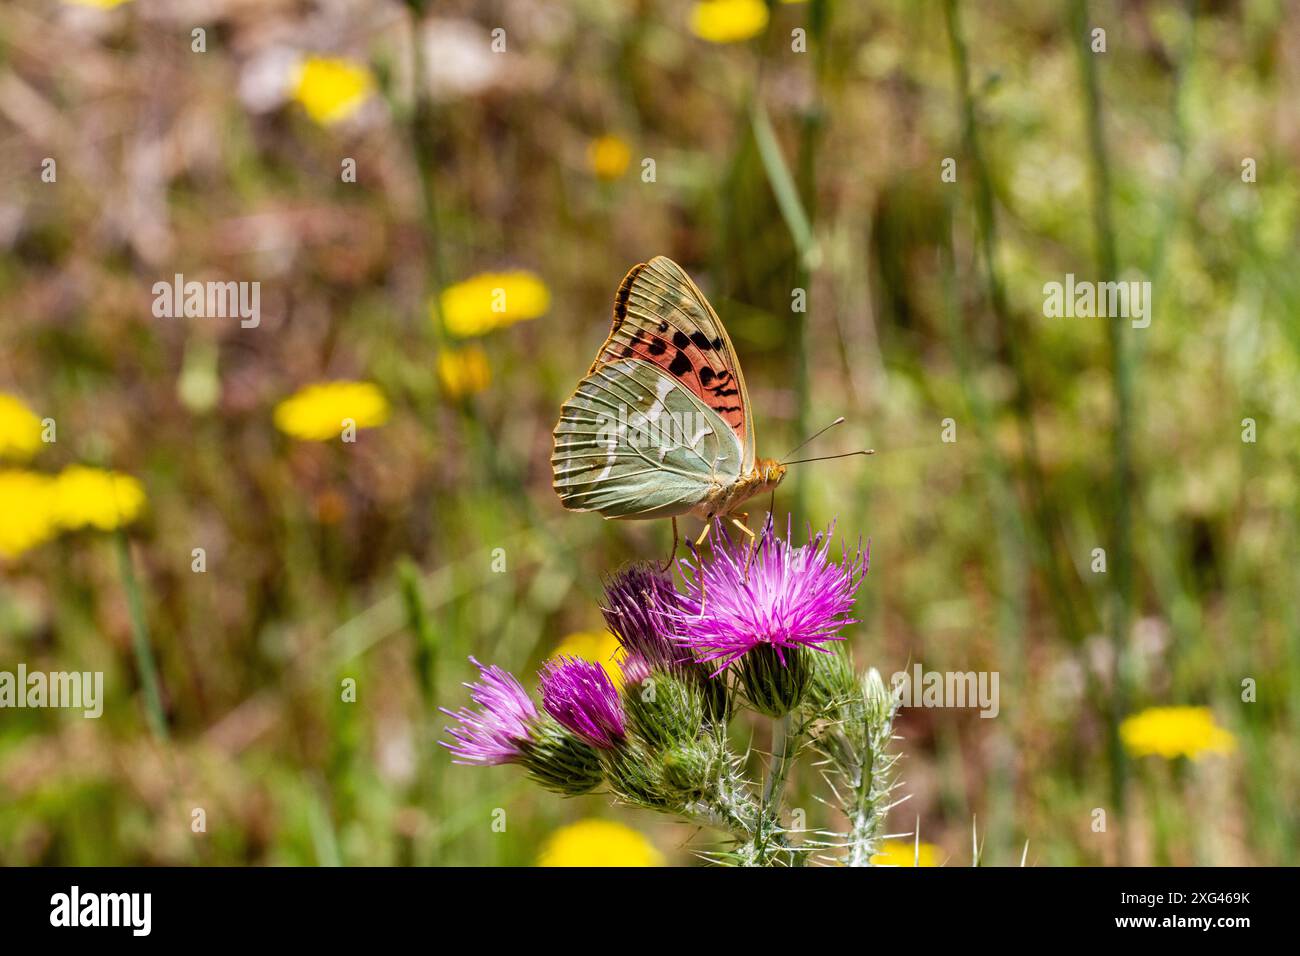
<point>661,424</point>
<point>727,497</point>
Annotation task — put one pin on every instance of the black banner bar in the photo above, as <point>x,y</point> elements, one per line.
<point>334,906</point>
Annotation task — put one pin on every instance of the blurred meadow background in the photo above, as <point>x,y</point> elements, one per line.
<point>381,167</point>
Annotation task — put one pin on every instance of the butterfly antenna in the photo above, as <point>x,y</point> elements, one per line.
<point>847,454</point>
<point>817,434</point>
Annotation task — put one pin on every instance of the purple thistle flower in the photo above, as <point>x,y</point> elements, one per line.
<point>497,733</point>
<point>580,695</point>
<point>635,601</point>
<point>783,596</point>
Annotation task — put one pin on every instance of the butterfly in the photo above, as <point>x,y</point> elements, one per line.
<point>661,425</point>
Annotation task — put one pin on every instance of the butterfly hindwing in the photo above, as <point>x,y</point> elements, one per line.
<point>662,318</point>
<point>635,442</point>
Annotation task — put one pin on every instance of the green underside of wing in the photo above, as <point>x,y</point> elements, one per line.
<point>633,443</point>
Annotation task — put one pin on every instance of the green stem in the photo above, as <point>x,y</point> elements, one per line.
<point>780,768</point>
<point>1123,483</point>
<point>728,805</point>
<point>794,211</point>
<point>768,840</point>
<point>859,753</point>
<point>421,628</point>
<point>1014,538</point>
<point>144,659</point>
<point>1011,345</point>
<point>725,809</point>
<point>783,186</point>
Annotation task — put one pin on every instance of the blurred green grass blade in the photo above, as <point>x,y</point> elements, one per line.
<point>417,620</point>
<point>140,640</point>
<point>783,186</point>
<point>322,834</point>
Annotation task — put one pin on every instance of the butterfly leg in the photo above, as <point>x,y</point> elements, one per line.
<point>751,546</point>
<point>743,527</point>
<point>708,523</point>
<point>673,553</point>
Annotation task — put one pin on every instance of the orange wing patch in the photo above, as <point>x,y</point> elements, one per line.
<point>657,334</point>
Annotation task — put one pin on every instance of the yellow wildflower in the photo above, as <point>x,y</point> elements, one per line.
<point>728,21</point>
<point>330,89</point>
<point>20,429</point>
<point>1175,732</point>
<point>93,497</point>
<point>463,371</point>
<point>608,156</point>
<point>320,412</point>
<point>599,647</point>
<point>492,300</point>
<point>903,853</point>
<point>598,843</point>
<point>27,517</point>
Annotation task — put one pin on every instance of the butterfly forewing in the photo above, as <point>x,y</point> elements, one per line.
<point>662,318</point>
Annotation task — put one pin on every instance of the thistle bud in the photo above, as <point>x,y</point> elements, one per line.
<point>558,760</point>
<point>833,691</point>
<point>716,694</point>
<point>774,680</point>
<point>637,777</point>
<point>881,702</point>
<point>689,767</point>
<point>662,708</point>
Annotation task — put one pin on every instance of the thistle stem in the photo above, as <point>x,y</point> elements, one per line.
<point>769,836</point>
<point>780,768</point>
<point>725,812</point>
<point>859,753</point>
<point>866,820</point>
<point>729,806</point>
